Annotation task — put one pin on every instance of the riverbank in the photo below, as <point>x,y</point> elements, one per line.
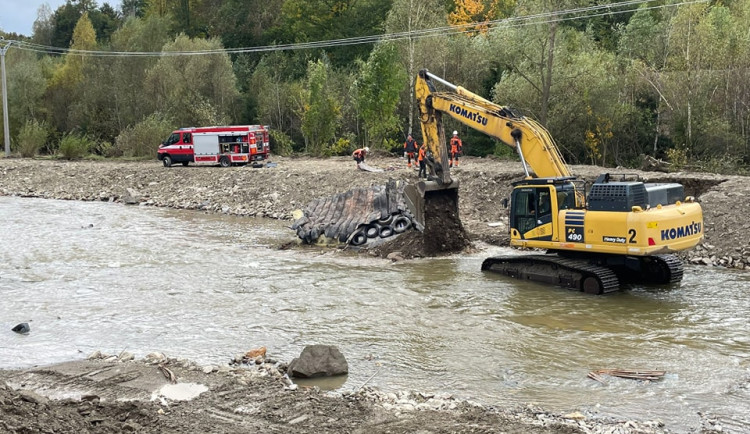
<point>275,192</point>
<point>114,394</point>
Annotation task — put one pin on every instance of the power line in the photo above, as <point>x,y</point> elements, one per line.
<point>534,19</point>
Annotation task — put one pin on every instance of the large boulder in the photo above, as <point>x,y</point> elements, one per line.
<point>318,361</point>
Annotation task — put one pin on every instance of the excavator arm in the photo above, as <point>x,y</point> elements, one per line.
<point>531,140</point>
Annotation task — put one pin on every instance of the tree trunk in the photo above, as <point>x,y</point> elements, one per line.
<point>547,75</point>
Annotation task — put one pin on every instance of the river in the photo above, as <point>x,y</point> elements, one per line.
<point>104,276</point>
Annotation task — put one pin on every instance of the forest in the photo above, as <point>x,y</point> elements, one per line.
<point>614,82</point>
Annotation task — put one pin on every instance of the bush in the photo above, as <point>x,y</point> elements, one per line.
<point>74,146</point>
<point>143,138</point>
<point>281,144</point>
<point>342,146</point>
<point>31,138</point>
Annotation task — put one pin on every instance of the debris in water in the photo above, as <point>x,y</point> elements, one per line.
<point>627,373</point>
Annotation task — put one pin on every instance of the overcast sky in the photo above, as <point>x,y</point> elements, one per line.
<point>19,15</point>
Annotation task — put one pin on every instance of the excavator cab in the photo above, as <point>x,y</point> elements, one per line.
<point>536,206</point>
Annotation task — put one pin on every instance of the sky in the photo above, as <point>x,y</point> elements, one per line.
<point>19,15</point>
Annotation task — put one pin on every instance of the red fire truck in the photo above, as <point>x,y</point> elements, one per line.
<point>226,146</point>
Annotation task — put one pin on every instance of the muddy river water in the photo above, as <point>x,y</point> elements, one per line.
<point>103,276</point>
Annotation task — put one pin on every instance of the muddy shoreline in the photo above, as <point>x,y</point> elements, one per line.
<point>115,393</point>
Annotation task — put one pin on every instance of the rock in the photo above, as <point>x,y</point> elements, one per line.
<point>256,352</point>
<point>395,256</point>
<point>318,361</point>
<point>131,196</point>
<point>576,415</point>
<point>126,356</point>
<point>32,397</point>
<point>22,328</point>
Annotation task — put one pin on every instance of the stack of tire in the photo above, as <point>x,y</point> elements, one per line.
<point>355,217</point>
<point>381,228</point>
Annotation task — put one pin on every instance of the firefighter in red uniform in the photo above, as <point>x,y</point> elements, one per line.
<point>359,155</point>
<point>421,156</point>
<point>410,148</point>
<point>455,150</point>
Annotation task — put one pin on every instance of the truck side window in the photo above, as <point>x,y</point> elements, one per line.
<point>186,138</point>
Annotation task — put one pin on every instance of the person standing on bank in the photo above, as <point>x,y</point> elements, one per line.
<point>410,149</point>
<point>360,154</point>
<point>421,156</point>
<point>455,149</point>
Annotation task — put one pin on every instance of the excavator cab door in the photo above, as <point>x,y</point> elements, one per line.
<point>531,212</point>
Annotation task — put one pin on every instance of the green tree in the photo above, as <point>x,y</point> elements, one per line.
<point>320,20</point>
<point>380,81</point>
<point>66,86</point>
<point>321,109</point>
<point>194,90</point>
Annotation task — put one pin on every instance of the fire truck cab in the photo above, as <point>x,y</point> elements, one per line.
<point>225,146</point>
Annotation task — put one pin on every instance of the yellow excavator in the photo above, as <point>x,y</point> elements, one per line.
<point>621,230</point>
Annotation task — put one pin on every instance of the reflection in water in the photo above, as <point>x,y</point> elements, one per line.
<point>97,276</point>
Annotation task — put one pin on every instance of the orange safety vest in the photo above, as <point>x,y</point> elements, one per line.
<point>359,153</point>
<point>455,145</point>
<point>422,151</point>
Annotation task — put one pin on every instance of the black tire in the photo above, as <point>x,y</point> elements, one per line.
<point>185,163</point>
<point>359,238</point>
<point>386,232</point>
<point>386,221</point>
<point>167,161</point>
<point>401,224</point>
<point>372,230</point>
<point>224,162</point>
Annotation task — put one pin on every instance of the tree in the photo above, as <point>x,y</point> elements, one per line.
<point>321,110</point>
<point>410,16</point>
<point>66,18</point>
<point>194,90</point>
<point>320,20</point>
<point>43,27</point>
<point>65,86</point>
<point>377,88</point>
<point>476,13</point>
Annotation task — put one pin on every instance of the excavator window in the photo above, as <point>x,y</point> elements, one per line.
<point>544,206</point>
<point>524,210</point>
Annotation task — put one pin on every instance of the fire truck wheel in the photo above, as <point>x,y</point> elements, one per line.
<point>224,162</point>
<point>167,160</point>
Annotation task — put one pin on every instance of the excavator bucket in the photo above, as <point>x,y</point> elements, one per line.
<point>433,204</point>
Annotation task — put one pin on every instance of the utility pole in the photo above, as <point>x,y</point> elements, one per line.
<point>6,128</point>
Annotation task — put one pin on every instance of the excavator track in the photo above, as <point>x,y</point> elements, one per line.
<point>569,273</point>
<point>661,270</point>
